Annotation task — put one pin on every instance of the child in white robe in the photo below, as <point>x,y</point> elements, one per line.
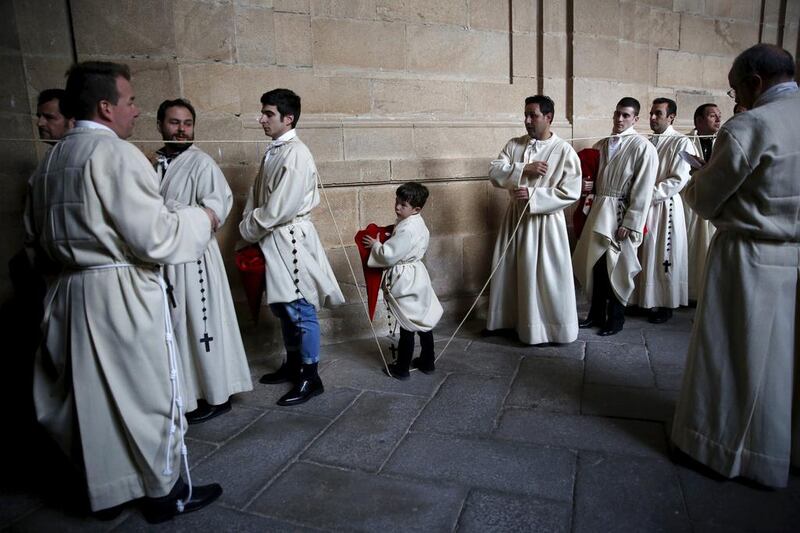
<point>406,283</point>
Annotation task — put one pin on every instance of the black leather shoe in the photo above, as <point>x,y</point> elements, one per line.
<point>659,315</point>
<point>607,331</point>
<point>425,365</point>
<point>157,510</point>
<point>587,322</point>
<point>396,372</point>
<point>310,385</point>
<point>206,412</point>
<point>289,372</point>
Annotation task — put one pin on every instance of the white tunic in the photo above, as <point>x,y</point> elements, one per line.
<point>738,408</point>
<point>101,382</point>
<point>406,284</point>
<point>623,192</point>
<point>280,202</point>
<point>657,285</point>
<point>533,290</point>
<point>213,374</point>
<point>698,234</point>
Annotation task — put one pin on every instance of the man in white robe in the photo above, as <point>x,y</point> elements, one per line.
<point>104,383</point>
<point>532,290</point>
<point>662,283</point>
<point>739,408</point>
<point>212,356</point>
<point>707,120</point>
<point>277,216</point>
<point>406,284</point>
<point>605,259</point>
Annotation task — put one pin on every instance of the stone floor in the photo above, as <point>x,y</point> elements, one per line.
<point>502,437</point>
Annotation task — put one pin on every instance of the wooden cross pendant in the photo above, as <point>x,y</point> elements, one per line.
<point>207,341</point>
<point>171,294</point>
<point>666,264</point>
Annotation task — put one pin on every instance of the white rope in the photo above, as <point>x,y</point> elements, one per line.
<point>249,141</point>
<point>353,274</point>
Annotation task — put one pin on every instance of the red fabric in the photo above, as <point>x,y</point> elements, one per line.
<point>590,161</point>
<point>372,276</point>
<point>252,267</point>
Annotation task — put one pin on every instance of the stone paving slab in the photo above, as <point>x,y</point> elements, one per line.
<point>343,500</point>
<point>625,494</point>
<point>731,503</point>
<point>612,435</point>
<point>364,436</point>
<point>199,451</point>
<point>16,503</point>
<point>628,402</point>
<point>245,464</point>
<point>215,518</point>
<point>465,404</point>
<point>486,463</point>
<point>618,364</point>
<point>549,384</point>
<point>495,512</point>
<point>668,377</point>
<point>480,358</point>
<point>666,346</point>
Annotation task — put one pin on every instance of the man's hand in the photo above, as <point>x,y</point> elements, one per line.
<point>588,185</point>
<point>368,241</point>
<point>521,193</point>
<point>212,217</point>
<point>535,169</point>
<point>622,233</point>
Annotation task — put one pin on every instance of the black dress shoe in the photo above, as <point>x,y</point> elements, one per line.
<point>587,322</point>
<point>659,315</point>
<point>397,372</point>
<point>157,510</point>
<point>206,412</point>
<point>426,365</point>
<point>609,330</point>
<point>289,372</point>
<point>310,385</point>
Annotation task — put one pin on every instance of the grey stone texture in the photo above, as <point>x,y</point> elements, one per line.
<point>502,437</point>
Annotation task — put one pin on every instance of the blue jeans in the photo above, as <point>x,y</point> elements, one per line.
<point>300,328</point>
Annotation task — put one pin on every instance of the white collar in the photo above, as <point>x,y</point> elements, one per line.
<point>778,89</point>
<point>288,136</point>
<point>92,125</point>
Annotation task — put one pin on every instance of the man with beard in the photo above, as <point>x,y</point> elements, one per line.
<point>707,120</point>
<point>532,291</point>
<point>662,285</point>
<point>212,355</point>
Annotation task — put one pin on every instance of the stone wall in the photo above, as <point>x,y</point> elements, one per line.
<point>393,90</point>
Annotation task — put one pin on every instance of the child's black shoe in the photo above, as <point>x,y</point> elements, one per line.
<point>426,365</point>
<point>398,372</point>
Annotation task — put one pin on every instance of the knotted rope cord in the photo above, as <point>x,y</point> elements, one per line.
<point>353,274</point>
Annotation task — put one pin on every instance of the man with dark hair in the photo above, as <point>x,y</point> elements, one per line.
<point>662,285</point>
<point>605,259</point>
<point>738,410</point>
<point>277,216</point>
<point>707,120</point>
<point>212,355</point>
<point>106,386</point>
<point>51,118</point>
<point>532,291</point>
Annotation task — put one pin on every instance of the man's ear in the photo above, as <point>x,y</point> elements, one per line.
<point>288,119</point>
<point>104,110</point>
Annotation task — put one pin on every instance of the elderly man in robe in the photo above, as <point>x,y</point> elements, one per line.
<point>605,259</point>
<point>707,120</point>
<point>213,360</point>
<point>533,290</point>
<point>105,383</point>
<point>738,409</point>
<point>52,121</point>
<point>277,217</point>
<point>662,283</point>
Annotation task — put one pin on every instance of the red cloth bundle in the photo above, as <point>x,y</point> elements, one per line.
<point>372,276</point>
<point>253,268</point>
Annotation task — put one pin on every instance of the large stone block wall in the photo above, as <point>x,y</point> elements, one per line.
<point>393,90</point>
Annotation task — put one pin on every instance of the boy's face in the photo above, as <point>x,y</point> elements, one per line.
<point>403,209</point>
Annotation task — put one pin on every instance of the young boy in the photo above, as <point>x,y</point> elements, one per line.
<point>406,284</point>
